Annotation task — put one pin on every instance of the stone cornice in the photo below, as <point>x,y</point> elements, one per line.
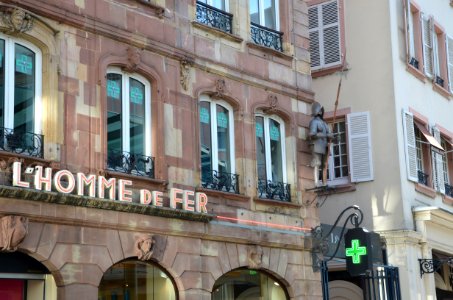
<point>435,216</point>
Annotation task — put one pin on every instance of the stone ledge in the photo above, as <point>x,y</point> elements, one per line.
<point>218,32</point>
<point>82,201</point>
<point>220,194</point>
<point>270,51</point>
<point>277,203</point>
<point>425,190</point>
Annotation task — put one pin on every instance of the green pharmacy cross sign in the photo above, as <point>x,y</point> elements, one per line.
<point>355,251</point>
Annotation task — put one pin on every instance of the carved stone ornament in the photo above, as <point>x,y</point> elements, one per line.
<point>184,70</point>
<point>144,246</point>
<point>220,87</point>
<point>133,59</point>
<point>15,20</point>
<point>255,256</point>
<point>272,100</point>
<point>13,230</point>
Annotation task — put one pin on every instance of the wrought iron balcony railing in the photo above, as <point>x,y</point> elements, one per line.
<point>274,190</point>
<point>214,17</point>
<point>266,37</point>
<point>423,178</point>
<point>220,181</point>
<point>449,190</point>
<point>20,142</point>
<point>129,163</point>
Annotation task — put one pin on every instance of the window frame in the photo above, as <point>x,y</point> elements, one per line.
<point>261,14</point>
<point>320,30</point>
<point>9,57</point>
<point>331,160</point>
<point>214,141</point>
<point>210,3</point>
<point>125,109</point>
<point>267,145</point>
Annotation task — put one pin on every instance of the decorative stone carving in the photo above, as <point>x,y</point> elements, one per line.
<point>220,87</point>
<point>272,100</point>
<point>15,20</point>
<point>144,247</point>
<point>133,59</point>
<point>13,230</point>
<point>255,256</point>
<point>150,247</point>
<point>184,72</point>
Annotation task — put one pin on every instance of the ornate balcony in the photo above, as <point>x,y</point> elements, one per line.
<point>274,190</point>
<point>214,17</point>
<point>221,181</point>
<point>26,143</point>
<point>422,178</point>
<point>266,37</point>
<point>449,190</point>
<point>129,163</point>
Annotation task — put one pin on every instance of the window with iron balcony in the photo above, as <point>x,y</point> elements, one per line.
<point>265,23</point>
<point>214,13</point>
<point>129,123</point>
<point>20,97</point>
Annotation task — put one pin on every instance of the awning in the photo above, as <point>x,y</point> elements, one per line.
<point>429,137</point>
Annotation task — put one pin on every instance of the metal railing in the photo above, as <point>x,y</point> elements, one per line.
<point>449,190</point>
<point>274,190</point>
<point>214,17</point>
<point>220,181</point>
<point>20,142</point>
<point>422,178</point>
<point>382,284</point>
<point>129,163</point>
<point>266,37</point>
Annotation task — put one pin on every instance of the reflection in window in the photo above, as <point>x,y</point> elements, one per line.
<point>264,13</point>
<point>247,284</point>
<point>270,149</point>
<point>135,280</point>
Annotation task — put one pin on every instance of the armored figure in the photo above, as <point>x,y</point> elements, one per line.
<point>319,136</point>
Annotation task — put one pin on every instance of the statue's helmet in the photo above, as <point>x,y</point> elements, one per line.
<point>316,109</point>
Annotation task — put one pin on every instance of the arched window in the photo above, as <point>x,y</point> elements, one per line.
<point>271,158</point>
<point>136,280</point>
<point>217,145</point>
<point>246,284</point>
<point>22,278</point>
<point>20,96</point>
<point>129,123</point>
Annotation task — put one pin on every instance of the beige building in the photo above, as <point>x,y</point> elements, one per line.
<point>154,149</point>
<point>394,153</point>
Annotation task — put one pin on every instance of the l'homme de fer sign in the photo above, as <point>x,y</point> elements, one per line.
<point>117,189</point>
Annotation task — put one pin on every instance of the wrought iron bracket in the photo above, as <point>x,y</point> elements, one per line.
<point>428,265</point>
<point>320,244</point>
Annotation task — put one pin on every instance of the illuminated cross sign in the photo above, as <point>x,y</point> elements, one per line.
<point>356,251</point>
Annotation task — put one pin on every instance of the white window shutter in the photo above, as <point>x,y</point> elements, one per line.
<point>359,145</point>
<point>409,31</point>
<point>449,42</point>
<point>427,38</point>
<point>324,32</point>
<point>438,165</point>
<point>331,33</point>
<point>410,149</point>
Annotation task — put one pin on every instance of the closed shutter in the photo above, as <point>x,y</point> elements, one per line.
<point>324,31</point>
<point>450,62</point>
<point>427,38</point>
<point>410,149</point>
<point>438,165</point>
<point>359,143</point>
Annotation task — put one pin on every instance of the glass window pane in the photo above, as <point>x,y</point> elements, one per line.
<point>24,89</point>
<point>269,14</point>
<point>220,4</point>
<point>137,116</point>
<point>254,11</point>
<point>2,83</point>
<point>223,139</point>
<point>114,96</point>
<point>136,280</point>
<point>260,148</point>
<point>205,140</point>
<point>276,150</point>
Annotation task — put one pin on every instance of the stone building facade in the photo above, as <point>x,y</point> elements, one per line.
<point>87,83</point>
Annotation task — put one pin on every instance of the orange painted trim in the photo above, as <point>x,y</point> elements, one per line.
<point>447,200</point>
<point>327,71</point>
<point>419,117</point>
<point>441,90</point>
<point>416,72</point>
<point>425,190</point>
<point>447,134</point>
<point>341,113</point>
